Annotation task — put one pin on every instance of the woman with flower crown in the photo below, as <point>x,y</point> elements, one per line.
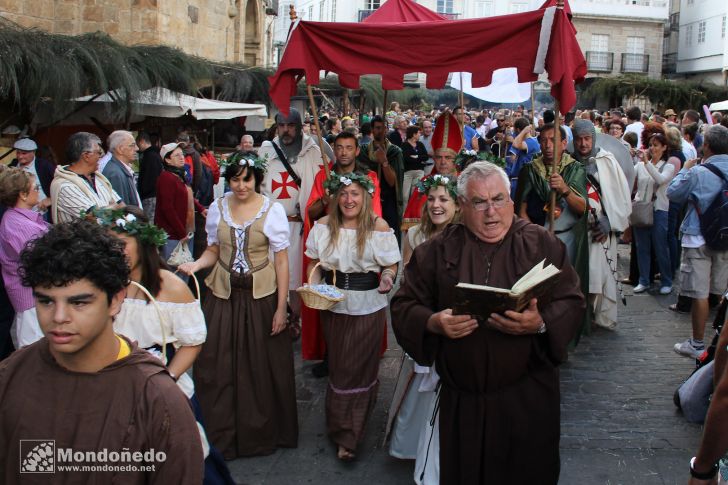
<point>362,250</point>
<point>415,391</point>
<point>244,374</point>
<point>180,333</point>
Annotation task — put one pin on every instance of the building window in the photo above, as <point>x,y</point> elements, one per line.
<point>635,45</point>
<point>310,12</point>
<point>701,32</point>
<point>689,35</point>
<point>322,10</point>
<point>372,4</point>
<point>600,42</point>
<point>722,28</point>
<point>518,7</point>
<point>599,57</point>
<point>444,6</point>
<point>634,58</point>
<point>483,8</point>
<point>333,11</point>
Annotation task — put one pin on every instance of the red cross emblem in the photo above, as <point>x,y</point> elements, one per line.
<point>283,185</point>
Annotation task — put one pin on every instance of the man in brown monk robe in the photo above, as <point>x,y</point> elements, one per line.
<point>83,396</point>
<point>499,403</point>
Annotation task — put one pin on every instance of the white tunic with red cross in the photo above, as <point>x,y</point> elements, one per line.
<point>278,185</point>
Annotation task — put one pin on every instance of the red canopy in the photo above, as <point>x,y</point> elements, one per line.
<point>402,11</point>
<point>528,41</point>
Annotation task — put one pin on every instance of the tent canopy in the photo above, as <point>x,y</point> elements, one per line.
<point>505,87</point>
<point>163,103</point>
<point>402,11</point>
<point>530,42</point>
<point>719,106</point>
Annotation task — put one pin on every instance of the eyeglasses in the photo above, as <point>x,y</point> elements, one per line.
<point>483,205</point>
<point>98,152</point>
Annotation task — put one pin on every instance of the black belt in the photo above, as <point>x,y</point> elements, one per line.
<point>353,281</point>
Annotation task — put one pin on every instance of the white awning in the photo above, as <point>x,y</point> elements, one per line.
<point>163,103</point>
<point>720,106</point>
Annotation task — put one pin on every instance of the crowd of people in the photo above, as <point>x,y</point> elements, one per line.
<point>99,259</point>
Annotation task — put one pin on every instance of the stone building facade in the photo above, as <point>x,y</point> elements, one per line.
<point>219,30</point>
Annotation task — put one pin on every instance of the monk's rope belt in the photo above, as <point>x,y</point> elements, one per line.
<point>353,281</point>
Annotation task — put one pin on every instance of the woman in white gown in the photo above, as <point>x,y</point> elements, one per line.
<point>412,413</point>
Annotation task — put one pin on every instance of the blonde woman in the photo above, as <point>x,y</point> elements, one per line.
<point>415,392</point>
<point>363,251</point>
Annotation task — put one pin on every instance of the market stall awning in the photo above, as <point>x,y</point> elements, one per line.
<point>530,42</point>
<point>719,106</point>
<point>163,103</point>
<point>402,11</point>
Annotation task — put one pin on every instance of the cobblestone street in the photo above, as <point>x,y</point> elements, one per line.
<point>619,425</point>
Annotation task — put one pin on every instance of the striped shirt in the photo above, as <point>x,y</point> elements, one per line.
<point>17,228</point>
<point>76,194</point>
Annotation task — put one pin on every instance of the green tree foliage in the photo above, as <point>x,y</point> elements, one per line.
<point>664,93</point>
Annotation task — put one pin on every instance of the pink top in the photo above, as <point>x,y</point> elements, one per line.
<point>17,228</point>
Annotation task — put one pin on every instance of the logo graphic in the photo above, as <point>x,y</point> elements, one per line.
<point>37,456</point>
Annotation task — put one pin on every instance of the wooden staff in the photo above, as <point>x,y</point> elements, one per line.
<point>533,107</point>
<point>555,162</point>
<point>318,129</point>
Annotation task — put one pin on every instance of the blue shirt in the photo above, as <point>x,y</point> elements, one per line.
<point>516,159</point>
<point>469,134</point>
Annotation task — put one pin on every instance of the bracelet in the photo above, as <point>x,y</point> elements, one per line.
<point>703,475</point>
<point>394,275</point>
<point>566,194</point>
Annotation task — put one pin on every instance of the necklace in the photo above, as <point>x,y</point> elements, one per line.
<point>489,260</point>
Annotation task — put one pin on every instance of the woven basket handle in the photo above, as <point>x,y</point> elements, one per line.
<point>161,318</point>
<point>310,275</point>
<point>197,283</point>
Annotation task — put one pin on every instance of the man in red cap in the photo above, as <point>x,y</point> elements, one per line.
<point>447,140</point>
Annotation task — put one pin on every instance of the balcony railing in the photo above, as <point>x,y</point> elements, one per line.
<point>597,61</point>
<point>450,15</point>
<point>639,63</point>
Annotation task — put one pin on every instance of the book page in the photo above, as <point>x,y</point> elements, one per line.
<point>537,274</point>
<point>471,286</point>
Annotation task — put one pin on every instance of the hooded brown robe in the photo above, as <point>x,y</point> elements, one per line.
<point>499,407</point>
<point>131,405</point>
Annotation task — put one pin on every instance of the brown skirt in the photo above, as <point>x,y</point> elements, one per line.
<point>353,346</point>
<point>244,377</point>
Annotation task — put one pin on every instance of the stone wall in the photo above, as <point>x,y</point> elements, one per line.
<point>214,29</point>
<point>618,30</point>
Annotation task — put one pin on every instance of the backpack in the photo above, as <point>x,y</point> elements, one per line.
<point>714,221</point>
<point>205,192</point>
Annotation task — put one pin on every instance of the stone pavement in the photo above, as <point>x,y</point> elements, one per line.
<point>619,425</point>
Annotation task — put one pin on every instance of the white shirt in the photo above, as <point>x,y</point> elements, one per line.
<point>650,176</point>
<point>636,128</point>
<point>275,229</point>
<point>688,149</point>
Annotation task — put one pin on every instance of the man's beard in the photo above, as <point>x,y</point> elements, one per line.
<point>293,148</point>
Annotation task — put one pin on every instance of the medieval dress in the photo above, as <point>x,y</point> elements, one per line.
<point>353,328</point>
<point>132,404</point>
<point>571,228</point>
<point>279,186</point>
<point>244,375</point>
<point>499,404</point>
<point>609,193</point>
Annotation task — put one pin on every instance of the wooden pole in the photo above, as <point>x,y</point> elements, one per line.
<point>557,147</point>
<point>461,118</point>
<point>533,107</point>
<point>318,128</point>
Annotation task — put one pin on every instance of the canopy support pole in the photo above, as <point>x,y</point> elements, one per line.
<point>461,118</point>
<point>384,105</point>
<point>533,106</point>
<point>557,148</point>
<point>318,128</point>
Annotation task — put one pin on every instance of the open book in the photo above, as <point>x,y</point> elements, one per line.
<point>480,300</point>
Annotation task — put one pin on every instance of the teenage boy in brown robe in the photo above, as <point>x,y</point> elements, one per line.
<point>499,403</point>
<point>83,391</point>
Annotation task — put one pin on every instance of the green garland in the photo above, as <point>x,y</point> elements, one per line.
<point>466,157</point>
<point>336,181</point>
<point>119,221</point>
<point>437,180</point>
<point>244,158</point>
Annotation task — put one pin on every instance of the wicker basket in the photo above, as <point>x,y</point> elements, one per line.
<point>313,299</point>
